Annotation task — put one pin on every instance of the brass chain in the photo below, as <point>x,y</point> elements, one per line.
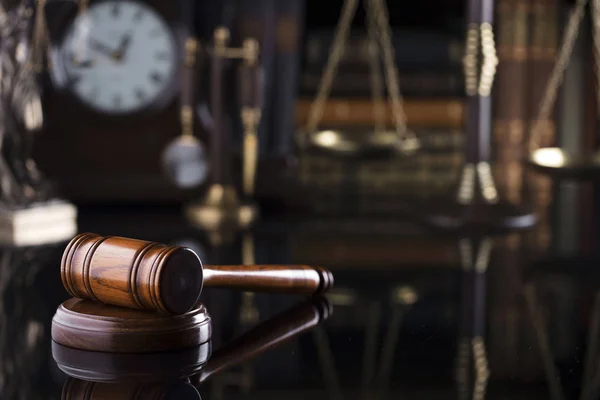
<point>391,72</point>
<point>557,75</point>
<point>377,22</point>
<point>377,90</point>
<point>336,51</point>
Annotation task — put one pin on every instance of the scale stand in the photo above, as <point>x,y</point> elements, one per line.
<point>554,161</point>
<point>472,367</point>
<point>477,205</point>
<point>221,210</point>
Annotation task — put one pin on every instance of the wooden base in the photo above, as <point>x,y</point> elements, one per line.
<point>559,164</point>
<point>75,389</point>
<point>115,367</point>
<point>93,326</point>
<point>42,223</point>
<point>450,215</point>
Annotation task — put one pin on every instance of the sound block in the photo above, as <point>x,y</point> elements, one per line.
<point>98,366</point>
<point>560,164</point>
<point>76,389</point>
<point>37,224</point>
<point>477,217</point>
<point>93,326</point>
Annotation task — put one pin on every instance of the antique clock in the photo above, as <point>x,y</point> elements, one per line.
<point>110,97</point>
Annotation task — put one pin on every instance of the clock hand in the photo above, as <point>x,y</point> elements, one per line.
<point>123,47</point>
<point>82,63</point>
<point>100,47</point>
<point>125,41</point>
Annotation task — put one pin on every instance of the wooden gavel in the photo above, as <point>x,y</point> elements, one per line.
<point>151,276</point>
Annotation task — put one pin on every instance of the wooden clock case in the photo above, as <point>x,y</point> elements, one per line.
<point>95,157</point>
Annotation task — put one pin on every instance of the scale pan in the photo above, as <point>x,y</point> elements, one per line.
<point>361,142</point>
<point>559,163</point>
<point>498,217</point>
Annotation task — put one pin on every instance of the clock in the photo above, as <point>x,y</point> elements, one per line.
<point>117,58</point>
<point>111,98</point>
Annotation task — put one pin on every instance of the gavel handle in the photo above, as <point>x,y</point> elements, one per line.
<point>297,279</point>
<point>266,336</point>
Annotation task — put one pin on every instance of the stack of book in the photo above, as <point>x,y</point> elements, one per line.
<point>429,65</point>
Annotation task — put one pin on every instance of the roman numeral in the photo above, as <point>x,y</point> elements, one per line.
<point>140,94</point>
<point>116,10</point>
<point>156,77</point>
<point>138,15</point>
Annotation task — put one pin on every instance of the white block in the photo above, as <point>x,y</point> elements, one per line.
<point>41,223</point>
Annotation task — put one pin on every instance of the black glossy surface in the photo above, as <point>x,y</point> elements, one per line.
<point>410,315</point>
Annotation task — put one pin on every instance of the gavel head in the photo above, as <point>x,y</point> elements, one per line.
<point>132,273</point>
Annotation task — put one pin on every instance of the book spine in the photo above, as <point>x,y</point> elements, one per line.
<point>288,29</point>
<point>543,50</point>
<point>511,97</point>
<point>412,50</point>
<point>428,173</point>
<point>430,113</point>
<point>413,84</point>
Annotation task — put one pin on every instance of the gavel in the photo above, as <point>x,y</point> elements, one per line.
<point>152,276</point>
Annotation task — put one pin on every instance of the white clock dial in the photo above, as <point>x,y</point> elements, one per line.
<point>118,57</point>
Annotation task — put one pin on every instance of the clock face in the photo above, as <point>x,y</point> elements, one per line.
<point>118,57</point>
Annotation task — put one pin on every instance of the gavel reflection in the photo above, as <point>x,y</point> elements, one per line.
<point>151,276</point>
<point>166,384</point>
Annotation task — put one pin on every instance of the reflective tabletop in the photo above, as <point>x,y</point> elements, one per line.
<point>413,314</point>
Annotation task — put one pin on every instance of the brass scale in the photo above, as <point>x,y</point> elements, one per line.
<point>554,161</point>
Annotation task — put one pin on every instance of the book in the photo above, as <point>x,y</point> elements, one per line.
<point>543,48</point>
<point>431,113</point>
<point>368,186</point>
<point>288,30</point>
<point>413,48</point>
<point>511,98</point>
<point>511,104</point>
<point>357,83</point>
